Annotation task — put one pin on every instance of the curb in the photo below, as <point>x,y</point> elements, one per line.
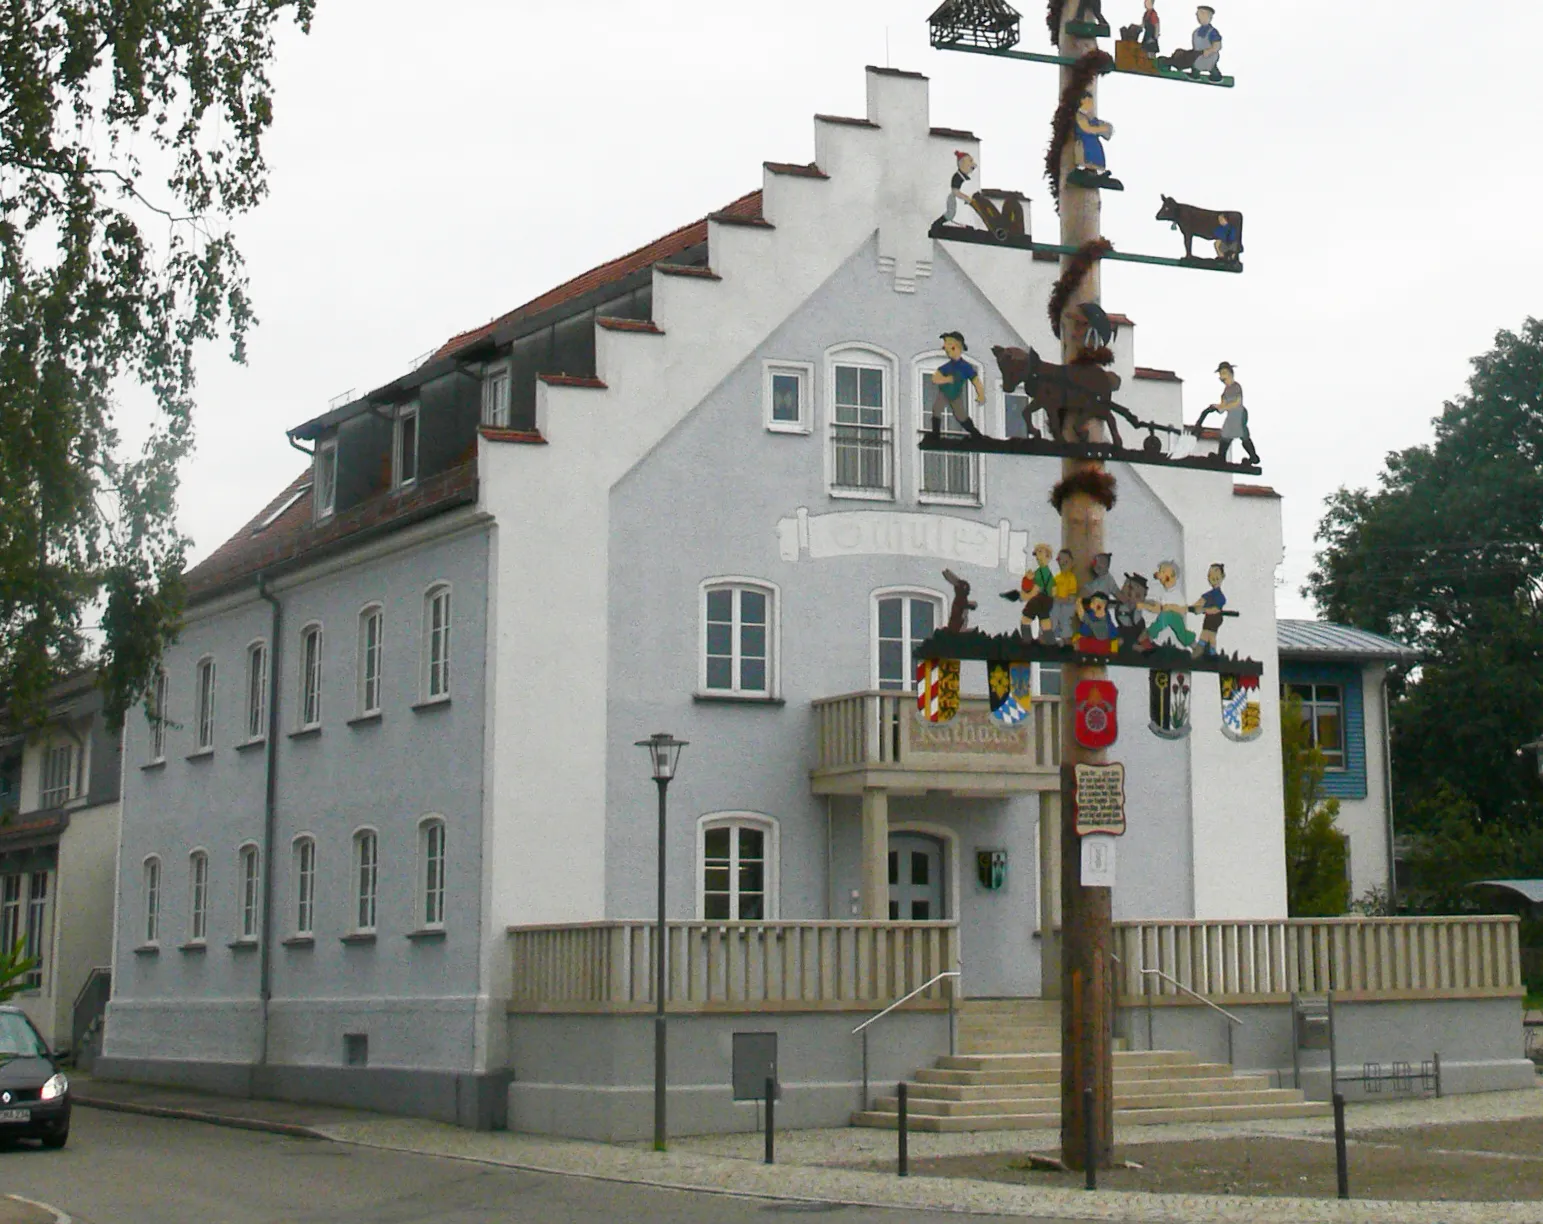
<point>289,1129</point>
<point>59,1216</point>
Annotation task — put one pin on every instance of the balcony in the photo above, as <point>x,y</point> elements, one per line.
<point>875,741</point>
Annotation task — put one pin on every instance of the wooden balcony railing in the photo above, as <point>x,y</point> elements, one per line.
<point>731,966</point>
<point>876,738</point>
<point>1357,958</point>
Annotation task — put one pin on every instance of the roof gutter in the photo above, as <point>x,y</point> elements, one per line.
<point>1387,795</point>
<point>270,811</point>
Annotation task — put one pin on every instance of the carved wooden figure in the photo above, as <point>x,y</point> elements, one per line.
<point>1071,397</point>
<point>951,386</point>
<point>959,611</point>
<point>1211,606</point>
<point>1037,595</point>
<point>1169,628</point>
<point>1203,56</point>
<point>1088,20</point>
<point>1233,413</point>
<point>1224,230</point>
<point>1090,133</point>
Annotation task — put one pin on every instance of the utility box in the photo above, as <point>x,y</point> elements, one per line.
<point>1312,1028</point>
<point>755,1061</point>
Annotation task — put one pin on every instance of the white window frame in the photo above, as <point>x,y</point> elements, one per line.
<point>922,369</point>
<point>257,692</point>
<point>432,843</point>
<point>1310,708</point>
<point>58,794</point>
<point>324,478</point>
<point>39,923</point>
<point>497,395</point>
<point>434,678</point>
<point>863,356</point>
<point>738,584</point>
<point>804,372</point>
<point>13,909</point>
<point>160,692</point>
<point>198,897</point>
<point>399,478</point>
<point>366,878</point>
<point>249,898</point>
<point>769,827</point>
<point>204,677</point>
<point>936,598</point>
<point>370,698</point>
<point>152,899</point>
<point>303,850</point>
<point>311,671</point>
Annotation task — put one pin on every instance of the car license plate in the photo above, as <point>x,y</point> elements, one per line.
<point>15,1115</point>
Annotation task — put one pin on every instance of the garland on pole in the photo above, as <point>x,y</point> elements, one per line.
<point>1054,11</point>
<point>1077,270</point>
<point>1083,73</point>
<point>1098,485</point>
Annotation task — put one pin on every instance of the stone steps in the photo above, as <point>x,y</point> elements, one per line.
<point>1050,1090</point>
<point>1161,1102</point>
<point>1050,1073</point>
<point>1122,1117</point>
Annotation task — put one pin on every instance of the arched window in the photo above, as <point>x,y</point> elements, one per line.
<point>205,690</point>
<point>740,630</point>
<point>251,886</point>
<point>431,872</point>
<point>310,677</point>
<point>158,715</point>
<point>198,896</point>
<point>366,879</point>
<point>860,390</point>
<point>257,691</point>
<point>737,867</point>
<point>152,900</point>
<point>436,643</point>
<point>371,650</point>
<point>902,619</point>
<point>305,885</point>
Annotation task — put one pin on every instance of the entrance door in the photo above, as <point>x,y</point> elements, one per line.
<point>915,879</point>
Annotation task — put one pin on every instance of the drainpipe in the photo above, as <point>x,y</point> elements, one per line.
<point>265,951</point>
<point>1387,794</point>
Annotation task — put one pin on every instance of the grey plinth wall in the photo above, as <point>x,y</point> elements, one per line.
<point>591,1076</point>
<point>1480,1040</point>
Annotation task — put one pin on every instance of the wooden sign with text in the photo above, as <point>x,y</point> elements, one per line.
<point>1100,800</point>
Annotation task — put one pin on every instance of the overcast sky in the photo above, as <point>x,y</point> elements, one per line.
<point>434,166</point>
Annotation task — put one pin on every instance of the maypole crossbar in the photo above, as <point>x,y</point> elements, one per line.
<point>1034,57</point>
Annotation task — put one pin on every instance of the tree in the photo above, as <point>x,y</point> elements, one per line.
<point>1317,879</point>
<point>130,137</point>
<point>14,967</point>
<point>1446,553</point>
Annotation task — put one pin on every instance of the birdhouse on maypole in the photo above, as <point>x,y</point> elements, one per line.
<point>988,24</point>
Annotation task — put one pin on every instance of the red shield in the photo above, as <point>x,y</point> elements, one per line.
<point>1098,724</point>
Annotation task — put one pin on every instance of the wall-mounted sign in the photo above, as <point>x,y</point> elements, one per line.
<point>1169,693</point>
<point>1098,861</point>
<point>1241,720</point>
<point>1100,800</point>
<point>972,733</point>
<point>1097,724</point>
<point>937,689</point>
<point>991,868</point>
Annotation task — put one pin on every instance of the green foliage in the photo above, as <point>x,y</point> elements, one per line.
<point>1317,882</point>
<point>14,966</point>
<point>110,270</point>
<point>1454,849</point>
<point>1446,553</point>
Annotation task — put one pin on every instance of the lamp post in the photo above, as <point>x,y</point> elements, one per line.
<point>663,753</point>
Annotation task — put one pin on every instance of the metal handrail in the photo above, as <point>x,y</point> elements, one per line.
<point>1192,994</point>
<point>953,1024</point>
<point>952,973</point>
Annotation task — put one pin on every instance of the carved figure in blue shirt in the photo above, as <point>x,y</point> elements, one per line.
<point>953,381</point>
<point>1207,44</point>
<point>1210,606</point>
<point>1091,134</point>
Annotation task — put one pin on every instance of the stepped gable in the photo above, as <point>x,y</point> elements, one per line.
<point>745,210</point>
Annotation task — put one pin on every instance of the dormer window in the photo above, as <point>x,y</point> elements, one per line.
<point>495,397</point>
<point>404,467</point>
<point>326,479</point>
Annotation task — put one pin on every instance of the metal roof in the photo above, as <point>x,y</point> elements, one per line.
<point>1300,639</point>
<point>1531,889</point>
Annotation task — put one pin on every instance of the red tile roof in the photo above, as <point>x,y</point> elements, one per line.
<point>295,533</point>
<point>1248,490</point>
<point>661,249</point>
<point>527,436</point>
<point>794,169</point>
<point>647,326</point>
<point>571,380</point>
<point>845,121</point>
<point>954,134</point>
<point>1151,375</point>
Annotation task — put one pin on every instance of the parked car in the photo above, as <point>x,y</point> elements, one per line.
<point>34,1093</point>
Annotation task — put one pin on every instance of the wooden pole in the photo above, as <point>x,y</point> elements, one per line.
<point>1087,1051</point>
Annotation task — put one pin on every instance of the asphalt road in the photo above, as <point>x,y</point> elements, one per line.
<point>125,1169</point>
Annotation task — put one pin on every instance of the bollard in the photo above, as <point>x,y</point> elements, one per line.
<point>771,1123</point>
<point>903,1160</point>
<point>1341,1157</point>
<point>1089,1139</point>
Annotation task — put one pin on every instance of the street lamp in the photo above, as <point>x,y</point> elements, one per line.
<point>663,754</point>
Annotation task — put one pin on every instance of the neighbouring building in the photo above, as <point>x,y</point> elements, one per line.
<point>59,787</point>
<point>1340,675</point>
<point>389,840</point>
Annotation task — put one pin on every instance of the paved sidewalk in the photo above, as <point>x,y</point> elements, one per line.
<point>808,1171</point>
<point>20,1211</point>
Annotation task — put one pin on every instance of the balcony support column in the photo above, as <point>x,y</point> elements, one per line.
<point>875,867</point>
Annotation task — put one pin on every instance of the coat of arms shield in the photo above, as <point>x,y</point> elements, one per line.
<point>991,866</point>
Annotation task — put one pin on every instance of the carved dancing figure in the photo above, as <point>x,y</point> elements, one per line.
<point>1210,606</point>
<point>1037,595</point>
<point>952,381</point>
<point>1063,616</point>
<point>1101,583</point>
<point>1097,632</point>
<point>1151,28</point>
<point>1169,627</point>
<point>964,170</point>
<point>1091,134</point>
<point>1128,607</point>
